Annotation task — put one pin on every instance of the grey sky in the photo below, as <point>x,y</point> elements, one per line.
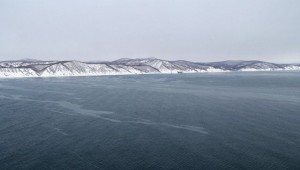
<point>196,30</point>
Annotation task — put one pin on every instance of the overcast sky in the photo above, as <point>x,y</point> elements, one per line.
<point>196,30</point>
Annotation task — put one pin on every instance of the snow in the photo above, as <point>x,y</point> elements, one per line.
<point>11,69</point>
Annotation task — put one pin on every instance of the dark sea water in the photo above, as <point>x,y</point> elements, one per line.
<point>180,121</point>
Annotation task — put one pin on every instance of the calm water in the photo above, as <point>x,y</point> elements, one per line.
<point>182,121</point>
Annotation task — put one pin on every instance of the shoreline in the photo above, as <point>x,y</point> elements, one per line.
<point>128,74</point>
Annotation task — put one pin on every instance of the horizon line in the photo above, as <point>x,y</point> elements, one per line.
<point>143,58</point>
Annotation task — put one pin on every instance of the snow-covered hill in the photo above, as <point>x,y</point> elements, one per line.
<point>36,68</point>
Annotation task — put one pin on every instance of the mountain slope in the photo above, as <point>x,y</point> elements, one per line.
<point>36,68</point>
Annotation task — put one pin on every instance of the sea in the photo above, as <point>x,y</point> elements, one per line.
<point>234,120</point>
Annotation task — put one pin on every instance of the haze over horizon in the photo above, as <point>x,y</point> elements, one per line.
<point>194,30</point>
<point>95,61</point>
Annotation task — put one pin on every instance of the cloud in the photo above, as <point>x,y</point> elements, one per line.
<point>207,30</point>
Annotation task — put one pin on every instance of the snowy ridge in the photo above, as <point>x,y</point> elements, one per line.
<point>36,68</point>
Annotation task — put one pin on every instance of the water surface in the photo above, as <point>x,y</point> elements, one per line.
<point>179,121</point>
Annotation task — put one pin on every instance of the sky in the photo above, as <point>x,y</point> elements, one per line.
<point>194,30</point>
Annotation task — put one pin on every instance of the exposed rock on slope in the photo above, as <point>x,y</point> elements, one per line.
<point>35,68</point>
